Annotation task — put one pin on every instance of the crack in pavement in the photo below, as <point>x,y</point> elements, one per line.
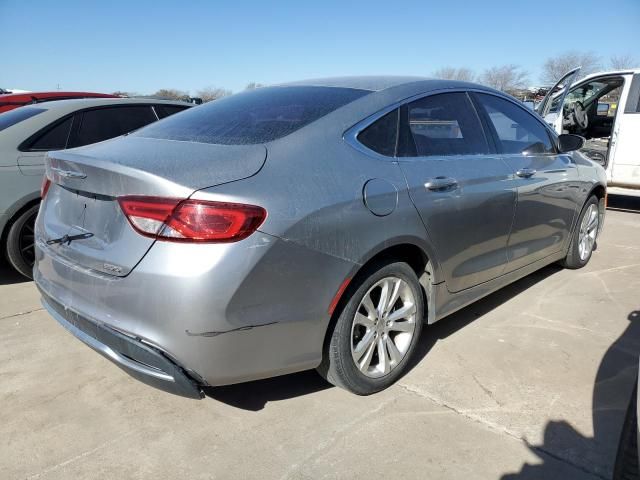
<point>80,456</point>
<point>488,392</point>
<point>499,429</point>
<point>19,314</point>
<point>323,446</point>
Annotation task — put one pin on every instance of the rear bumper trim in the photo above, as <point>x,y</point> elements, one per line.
<point>139,360</point>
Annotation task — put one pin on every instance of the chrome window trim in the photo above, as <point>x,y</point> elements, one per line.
<point>350,136</point>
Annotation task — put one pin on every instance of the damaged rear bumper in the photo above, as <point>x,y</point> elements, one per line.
<point>141,361</point>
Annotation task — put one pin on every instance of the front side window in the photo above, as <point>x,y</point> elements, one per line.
<point>17,115</point>
<point>251,117</point>
<point>54,138</point>
<point>381,135</point>
<point>517,130</point>
<point>105,123</point>
<point>441,125</point>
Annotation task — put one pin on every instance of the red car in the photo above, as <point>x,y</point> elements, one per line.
<point>14,100</point>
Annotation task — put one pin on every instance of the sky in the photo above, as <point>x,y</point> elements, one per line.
<point>142,46</point>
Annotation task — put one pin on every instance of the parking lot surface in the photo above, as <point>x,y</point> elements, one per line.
<point>531,382</point>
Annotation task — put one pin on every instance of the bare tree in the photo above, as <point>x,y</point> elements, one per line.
<point>555,67</point>
<point>253,85</point>
<point>208,94</point>
<point>507,78</point>
<point>452,73</point>
<point>120,93</point>
<point>171,94</point>
<point>620,62</point>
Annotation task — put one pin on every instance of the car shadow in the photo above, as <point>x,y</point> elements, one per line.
<point>624,203</point>
<point>447,326</point>
<point>8,276</point>
<point>614,384</point>
<point>253,396</point>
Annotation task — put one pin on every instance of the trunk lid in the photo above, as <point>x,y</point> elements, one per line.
<point>82,205</point>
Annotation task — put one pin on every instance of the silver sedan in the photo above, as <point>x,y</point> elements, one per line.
<point>317,224</point>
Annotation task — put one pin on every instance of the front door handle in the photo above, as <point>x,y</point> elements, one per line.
<point>440,183</point>
<point>526,172</point>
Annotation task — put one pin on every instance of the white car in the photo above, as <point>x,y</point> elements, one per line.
<point>605,109</point>
<point>28,133</point>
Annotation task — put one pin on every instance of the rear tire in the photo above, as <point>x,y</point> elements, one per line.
<point>376,331</point>
<point>20,242</point>
<point>583,240</point>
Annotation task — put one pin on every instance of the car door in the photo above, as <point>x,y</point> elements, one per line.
<point>546,181</point>
<point>551,106</point>
<point>461,188</point>
<point>624,160</point>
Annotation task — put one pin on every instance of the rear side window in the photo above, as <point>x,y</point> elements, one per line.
<point>17,115</point>
<point>255,116</point>
<point>104,123</point>
<point>55,138</point>
<point>167,110</point>
<point>381,135</point>
<point>517,130</point>
<point>441,125</point>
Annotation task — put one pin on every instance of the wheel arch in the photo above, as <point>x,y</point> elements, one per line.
<point>599,190</point>
<point>415,252</point>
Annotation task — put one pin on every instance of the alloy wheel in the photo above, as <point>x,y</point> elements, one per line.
<point>383,327</point>
<point>588,232</point>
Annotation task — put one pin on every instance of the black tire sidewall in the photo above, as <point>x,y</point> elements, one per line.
<point>573,259</point>
<point>340,346</point>
<point>13,254</point>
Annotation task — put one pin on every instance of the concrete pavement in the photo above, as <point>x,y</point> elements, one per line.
<point>531,382</point>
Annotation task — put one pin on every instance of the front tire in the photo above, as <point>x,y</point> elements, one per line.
<point>376,332</point>
<point>20,242</point>
<point>583,240</point>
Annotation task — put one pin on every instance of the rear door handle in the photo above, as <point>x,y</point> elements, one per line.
<point>440,183</point>
<point>526,172</point>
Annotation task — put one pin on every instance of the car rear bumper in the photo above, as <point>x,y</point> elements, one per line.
<point>141,361</point>
<point>222,313</point>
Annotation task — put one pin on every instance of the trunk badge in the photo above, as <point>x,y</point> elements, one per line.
<point>112,268</point>
<point>68,173</point>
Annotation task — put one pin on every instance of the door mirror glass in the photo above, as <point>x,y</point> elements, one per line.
<point>568,142</point>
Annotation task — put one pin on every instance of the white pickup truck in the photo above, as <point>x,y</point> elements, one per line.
<point>605,109</point>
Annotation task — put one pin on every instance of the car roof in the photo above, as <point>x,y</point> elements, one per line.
<point>373,83</point>
<point>71,105</point>
<point>628,71</point>
<point>39,95</point>
<point>382,83</point>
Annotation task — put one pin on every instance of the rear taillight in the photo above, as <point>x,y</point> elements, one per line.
<point>44,188</point>
<point>191,220</point>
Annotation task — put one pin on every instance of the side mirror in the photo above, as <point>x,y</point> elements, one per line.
<point>568,142</point>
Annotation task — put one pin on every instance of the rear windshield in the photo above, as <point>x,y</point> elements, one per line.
<point>255,116</point>
<point>10,118</point>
